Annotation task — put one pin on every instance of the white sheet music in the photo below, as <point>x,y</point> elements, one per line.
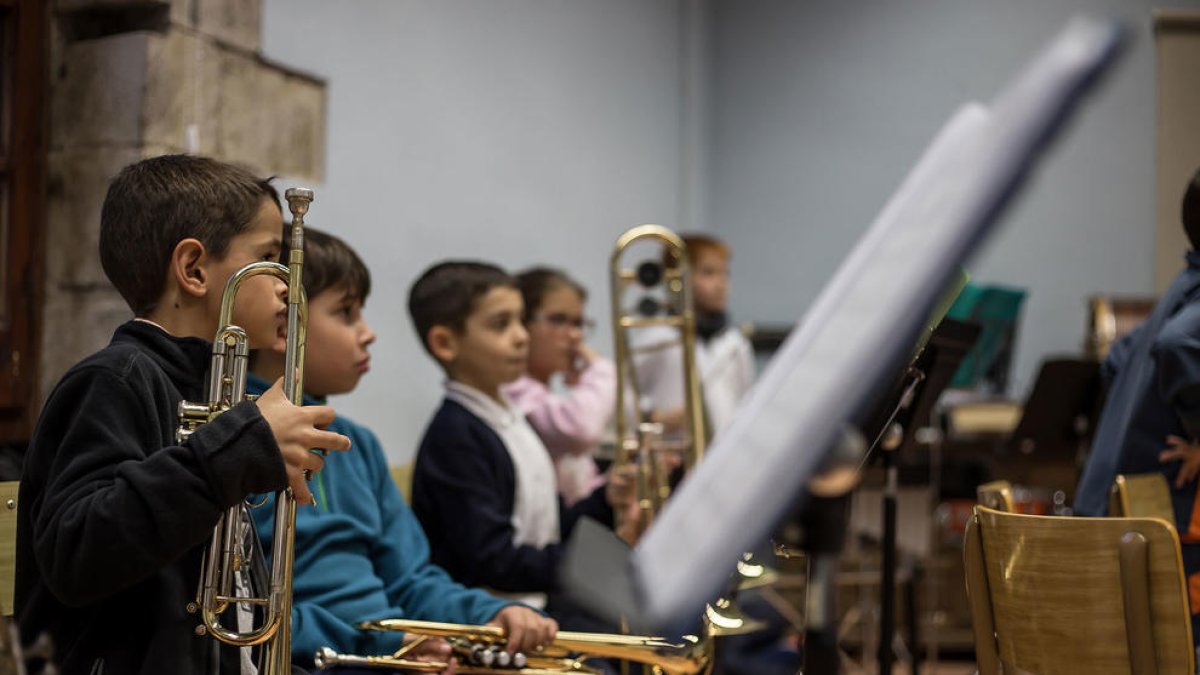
<point>859,329</point>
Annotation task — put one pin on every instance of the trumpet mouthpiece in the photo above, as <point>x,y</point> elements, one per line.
<point>298,200</point>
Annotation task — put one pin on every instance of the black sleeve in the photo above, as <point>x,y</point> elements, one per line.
<point>464,489</point>
<point>593,506</point>
<point>116,507</point>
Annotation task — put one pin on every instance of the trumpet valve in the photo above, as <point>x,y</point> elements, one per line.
<point>191,416</point>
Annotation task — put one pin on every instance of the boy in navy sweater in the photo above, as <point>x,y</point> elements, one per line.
<point>114,512</point>
<point>361,554</point>
<point>484,485</point>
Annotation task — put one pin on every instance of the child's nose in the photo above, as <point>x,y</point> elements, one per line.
<point>368,336</point>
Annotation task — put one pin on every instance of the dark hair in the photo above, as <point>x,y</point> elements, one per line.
<point>154,204</point>
<point>330,263</point>
<point>1191,210</point>
<point>535,282</point>
<point>446,294</point>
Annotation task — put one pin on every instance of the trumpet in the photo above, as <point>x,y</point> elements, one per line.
<point>480,649</point>
<point>640,442</point>
<point>229,557</point>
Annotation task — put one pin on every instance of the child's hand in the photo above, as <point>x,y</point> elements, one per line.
<point>671,420</point>
<point>584,356</point>
<point>621,488</point>
<point>432,649</point>
<point>621,493</point>
<point>527,630</point>
<point>1178,448</point>
<point>297,429</point>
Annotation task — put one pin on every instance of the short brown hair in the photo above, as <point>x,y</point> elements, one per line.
<point>446,294</point>
<point>330,263</point>
<point>154,204</point>
<point>698,244</point>
<point>535,282</point>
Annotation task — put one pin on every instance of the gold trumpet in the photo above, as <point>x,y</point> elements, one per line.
<point>229,555</point>
<point>480,649</point>
<point>640,443</point>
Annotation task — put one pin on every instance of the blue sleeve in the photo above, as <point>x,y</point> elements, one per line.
<point>1177,363</point>
<point>313,628</point>
<point>463,494</point>
<point>424,590</point>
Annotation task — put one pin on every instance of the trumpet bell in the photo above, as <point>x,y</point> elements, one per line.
<point>726,619</point>
<point>753,574</point>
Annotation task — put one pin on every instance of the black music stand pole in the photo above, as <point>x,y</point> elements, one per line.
<point>889,442</point>
<point>919,389</point>
<point>826,524</point>
<point>887,582</point>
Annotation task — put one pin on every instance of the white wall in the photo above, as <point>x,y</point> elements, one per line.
<point>820,107</point>
<point>519,132</point>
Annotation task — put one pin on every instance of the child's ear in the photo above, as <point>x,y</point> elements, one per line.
<point>189,262</point>
<point>443,343</point>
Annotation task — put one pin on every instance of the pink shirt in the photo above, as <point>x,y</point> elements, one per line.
<point>571,424</point>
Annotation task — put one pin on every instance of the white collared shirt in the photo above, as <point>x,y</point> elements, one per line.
<point>535,504</point>
<point>725,366</point>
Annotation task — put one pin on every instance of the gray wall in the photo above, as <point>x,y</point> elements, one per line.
<point>527,131</point>
<point>519,132</point>
<point>820,107</point>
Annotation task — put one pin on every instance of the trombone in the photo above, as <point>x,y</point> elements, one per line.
<point>640,441</point>
<point>227,557</point>
<point>642,444</point>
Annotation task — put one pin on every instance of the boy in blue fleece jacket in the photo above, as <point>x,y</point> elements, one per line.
<point>360,552</point>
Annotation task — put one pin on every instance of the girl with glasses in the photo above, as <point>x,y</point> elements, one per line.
<point>568,391</point>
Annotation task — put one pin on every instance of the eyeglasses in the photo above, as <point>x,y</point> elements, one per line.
<point>562,322</point>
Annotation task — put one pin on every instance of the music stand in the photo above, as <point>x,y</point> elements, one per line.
<point>1059,415</point>
<point>996,310</point>
<point>907,411</point>
<point>855,336</point>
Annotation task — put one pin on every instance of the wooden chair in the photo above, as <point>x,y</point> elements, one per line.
<point>1054,595</point>
<point>1143,495</point>
<point>8,545</point>
<point>403,477</point>
<point>996,495</point>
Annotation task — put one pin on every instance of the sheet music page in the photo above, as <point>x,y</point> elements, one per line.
<point>859,328</point>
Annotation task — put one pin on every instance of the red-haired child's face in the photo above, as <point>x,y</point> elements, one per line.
<point>710,281</point>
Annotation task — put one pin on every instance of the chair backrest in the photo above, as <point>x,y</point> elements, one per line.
<point>402,475</point>
<point>8,545</point>
<point>1076,595</point>
<point>1142,495</point>
<point>996,495</point>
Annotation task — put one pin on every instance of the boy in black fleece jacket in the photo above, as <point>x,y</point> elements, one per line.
<point>484,487</point>
<point>114,513</point>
